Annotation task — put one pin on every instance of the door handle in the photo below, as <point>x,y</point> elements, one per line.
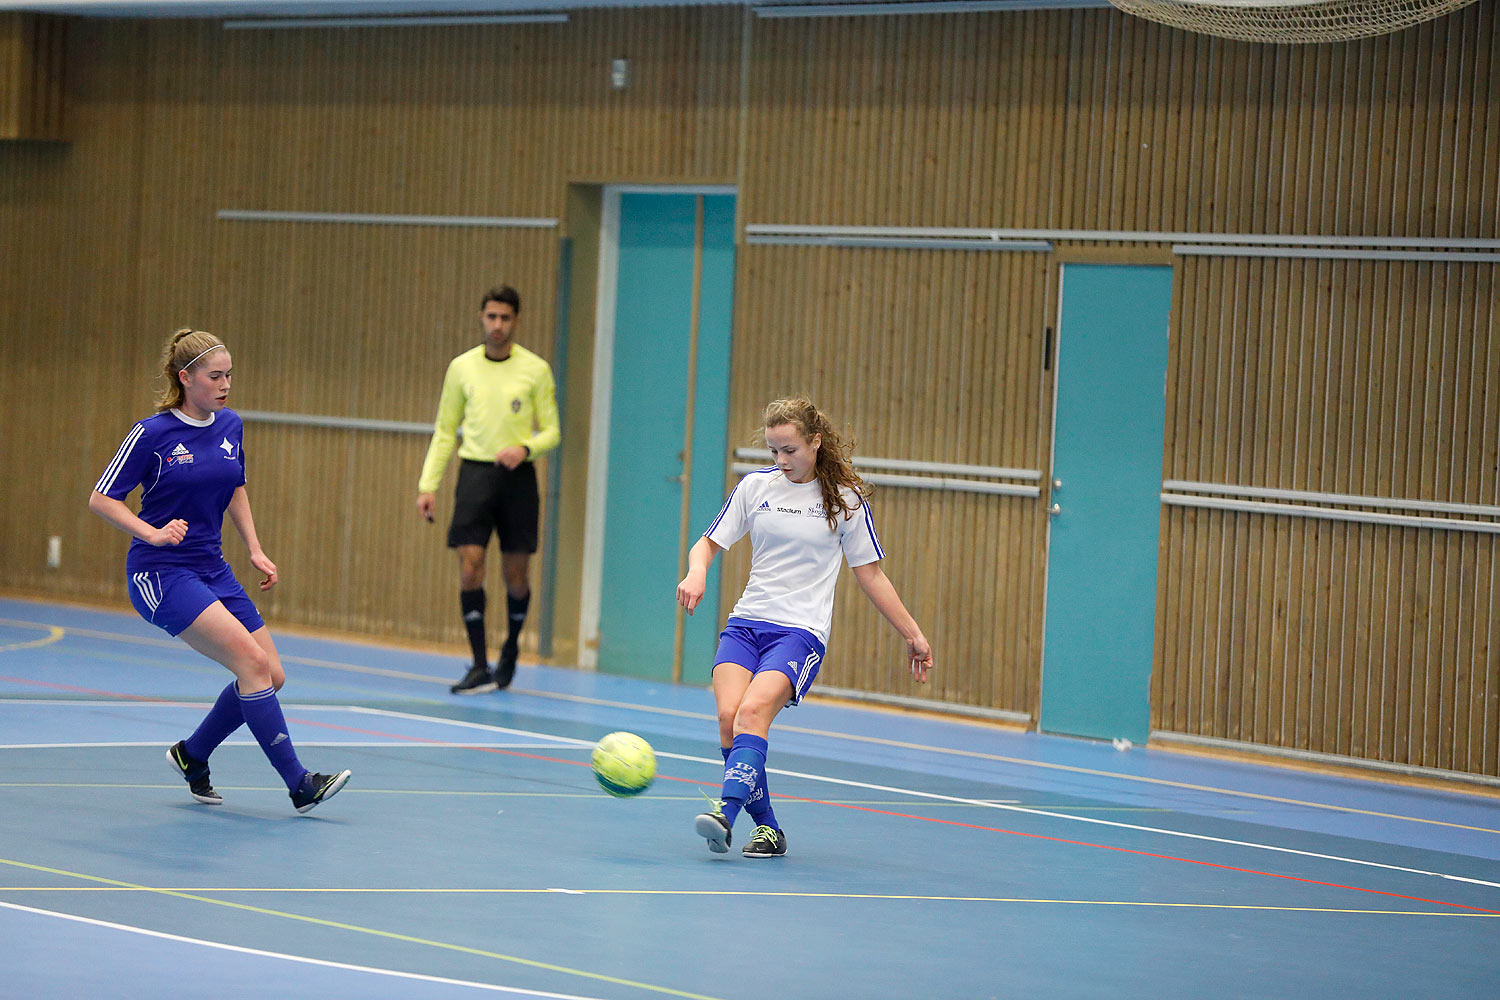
<point>1055,509</point>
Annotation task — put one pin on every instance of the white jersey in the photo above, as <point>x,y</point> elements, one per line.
<point>794,558</point>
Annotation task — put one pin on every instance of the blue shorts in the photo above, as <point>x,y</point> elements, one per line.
<point>172,599</point>
<point>758,646</point>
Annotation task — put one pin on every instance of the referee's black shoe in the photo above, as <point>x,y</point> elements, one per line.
<point>505,670</point>
<point>478,680</point>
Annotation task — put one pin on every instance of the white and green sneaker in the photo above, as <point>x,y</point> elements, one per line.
<point>713,827</point>
<point>768,842</point>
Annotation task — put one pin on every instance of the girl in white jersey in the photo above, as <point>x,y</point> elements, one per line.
<point>806,515</point>
<point>189,462</point>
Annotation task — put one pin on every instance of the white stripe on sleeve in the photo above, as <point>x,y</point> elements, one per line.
<point>107,481</point>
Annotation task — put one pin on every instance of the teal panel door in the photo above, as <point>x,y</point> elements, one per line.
<point>710,428</point>
<point>1106,515</point>
<point>648,428</point>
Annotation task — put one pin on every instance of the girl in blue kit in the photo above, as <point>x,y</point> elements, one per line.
<point>188,461</point>
<point>806,515</point>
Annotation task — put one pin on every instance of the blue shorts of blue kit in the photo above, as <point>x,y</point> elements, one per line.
<point>758,646</point>
<point>172,599</point>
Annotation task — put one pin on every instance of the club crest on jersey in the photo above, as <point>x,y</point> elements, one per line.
<point>227,448</point>
<point>515,405</point>
<point>816,510</point>
<point>180,455</point>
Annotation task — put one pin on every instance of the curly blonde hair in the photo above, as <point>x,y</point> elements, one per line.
<point>185,350</point>
<point>833,468</point>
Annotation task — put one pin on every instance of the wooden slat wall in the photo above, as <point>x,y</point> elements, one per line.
<point>1368,378</point>
<point>177,120</point>
<point>1082,119</point>
<point>930,355</point>
<point>32,55</point>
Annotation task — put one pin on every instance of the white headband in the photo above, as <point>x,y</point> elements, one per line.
<point>209,351</point>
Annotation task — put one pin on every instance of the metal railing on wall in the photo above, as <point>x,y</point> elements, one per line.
<point>1331,506</point>
<point>943,475</point>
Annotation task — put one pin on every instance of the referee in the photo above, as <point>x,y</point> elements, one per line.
<point>502,396</point>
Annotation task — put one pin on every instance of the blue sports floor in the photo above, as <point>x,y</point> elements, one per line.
<point>472,854</point>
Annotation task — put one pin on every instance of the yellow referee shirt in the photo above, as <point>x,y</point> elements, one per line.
<point>498,404</point>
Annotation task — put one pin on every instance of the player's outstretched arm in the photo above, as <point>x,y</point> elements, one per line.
<point>700,557</point>
<point>882,593</point>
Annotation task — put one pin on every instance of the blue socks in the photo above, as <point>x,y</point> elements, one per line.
<point>263,715</point>
<point>758,805</point>
<point>745,780</point>
<point>224,718</point>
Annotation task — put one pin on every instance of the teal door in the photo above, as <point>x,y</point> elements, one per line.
<point>1106,513</point>
<point>667,433</point>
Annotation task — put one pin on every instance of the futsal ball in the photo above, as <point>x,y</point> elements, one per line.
<point>624,764</point>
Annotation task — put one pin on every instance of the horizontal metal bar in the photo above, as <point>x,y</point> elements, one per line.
<point>918,7</point>
<point>927,483</point>
<point>1317,757</point>
<point>1330,514</point>
<point>480,221</point>
<point>1325,253</point>
<point>909,465</point>
<point>1350,499</point>
<point>1123,236</point>
<point>901,243</point>
<point>416,21</point>
<point>339,423</point>
<point>925,704</point>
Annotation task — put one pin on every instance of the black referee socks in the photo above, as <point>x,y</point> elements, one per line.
<point>472,602</point>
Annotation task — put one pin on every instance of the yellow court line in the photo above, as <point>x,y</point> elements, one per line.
<point>852,737</point>
<point>389,935</point>
<point>54,633</point>
<point>186,892</point>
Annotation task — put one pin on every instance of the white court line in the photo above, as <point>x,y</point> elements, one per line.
<point>358,744</point>
<point>787,727</point>
<point>980,803</point>
<point>992,804</point>
<point>294,958</point>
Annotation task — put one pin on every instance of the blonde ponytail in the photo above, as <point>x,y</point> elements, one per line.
<point>184,350</point>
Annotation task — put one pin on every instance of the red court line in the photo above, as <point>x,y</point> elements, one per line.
<point>950,822</point>
<point>83,690</point>
<point>840,805</point>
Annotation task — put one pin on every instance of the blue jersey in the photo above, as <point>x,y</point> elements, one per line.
<point>187,469</point>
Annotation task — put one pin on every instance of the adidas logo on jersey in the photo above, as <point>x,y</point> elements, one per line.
<point>180,455</point>
<point>179,450</point>
<point>764,505</point>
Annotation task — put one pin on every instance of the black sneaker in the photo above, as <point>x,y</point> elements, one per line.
<point>317,787</point>
<point>478,680</point>
<point>713,827</point>
<point>505,670</point>
<point>768,842</point>
<point>194,772</point>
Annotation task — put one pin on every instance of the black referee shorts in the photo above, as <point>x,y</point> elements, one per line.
<point>491,497</point>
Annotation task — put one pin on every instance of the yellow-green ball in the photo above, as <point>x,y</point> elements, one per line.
<point>624,764</point>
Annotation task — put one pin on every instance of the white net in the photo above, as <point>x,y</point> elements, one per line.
<point>1290,21</point>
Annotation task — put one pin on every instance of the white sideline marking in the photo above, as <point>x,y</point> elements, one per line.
<point>361,744</point>
<point>294,958</point>
<point>567,741</point>
<point>992,804</point>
